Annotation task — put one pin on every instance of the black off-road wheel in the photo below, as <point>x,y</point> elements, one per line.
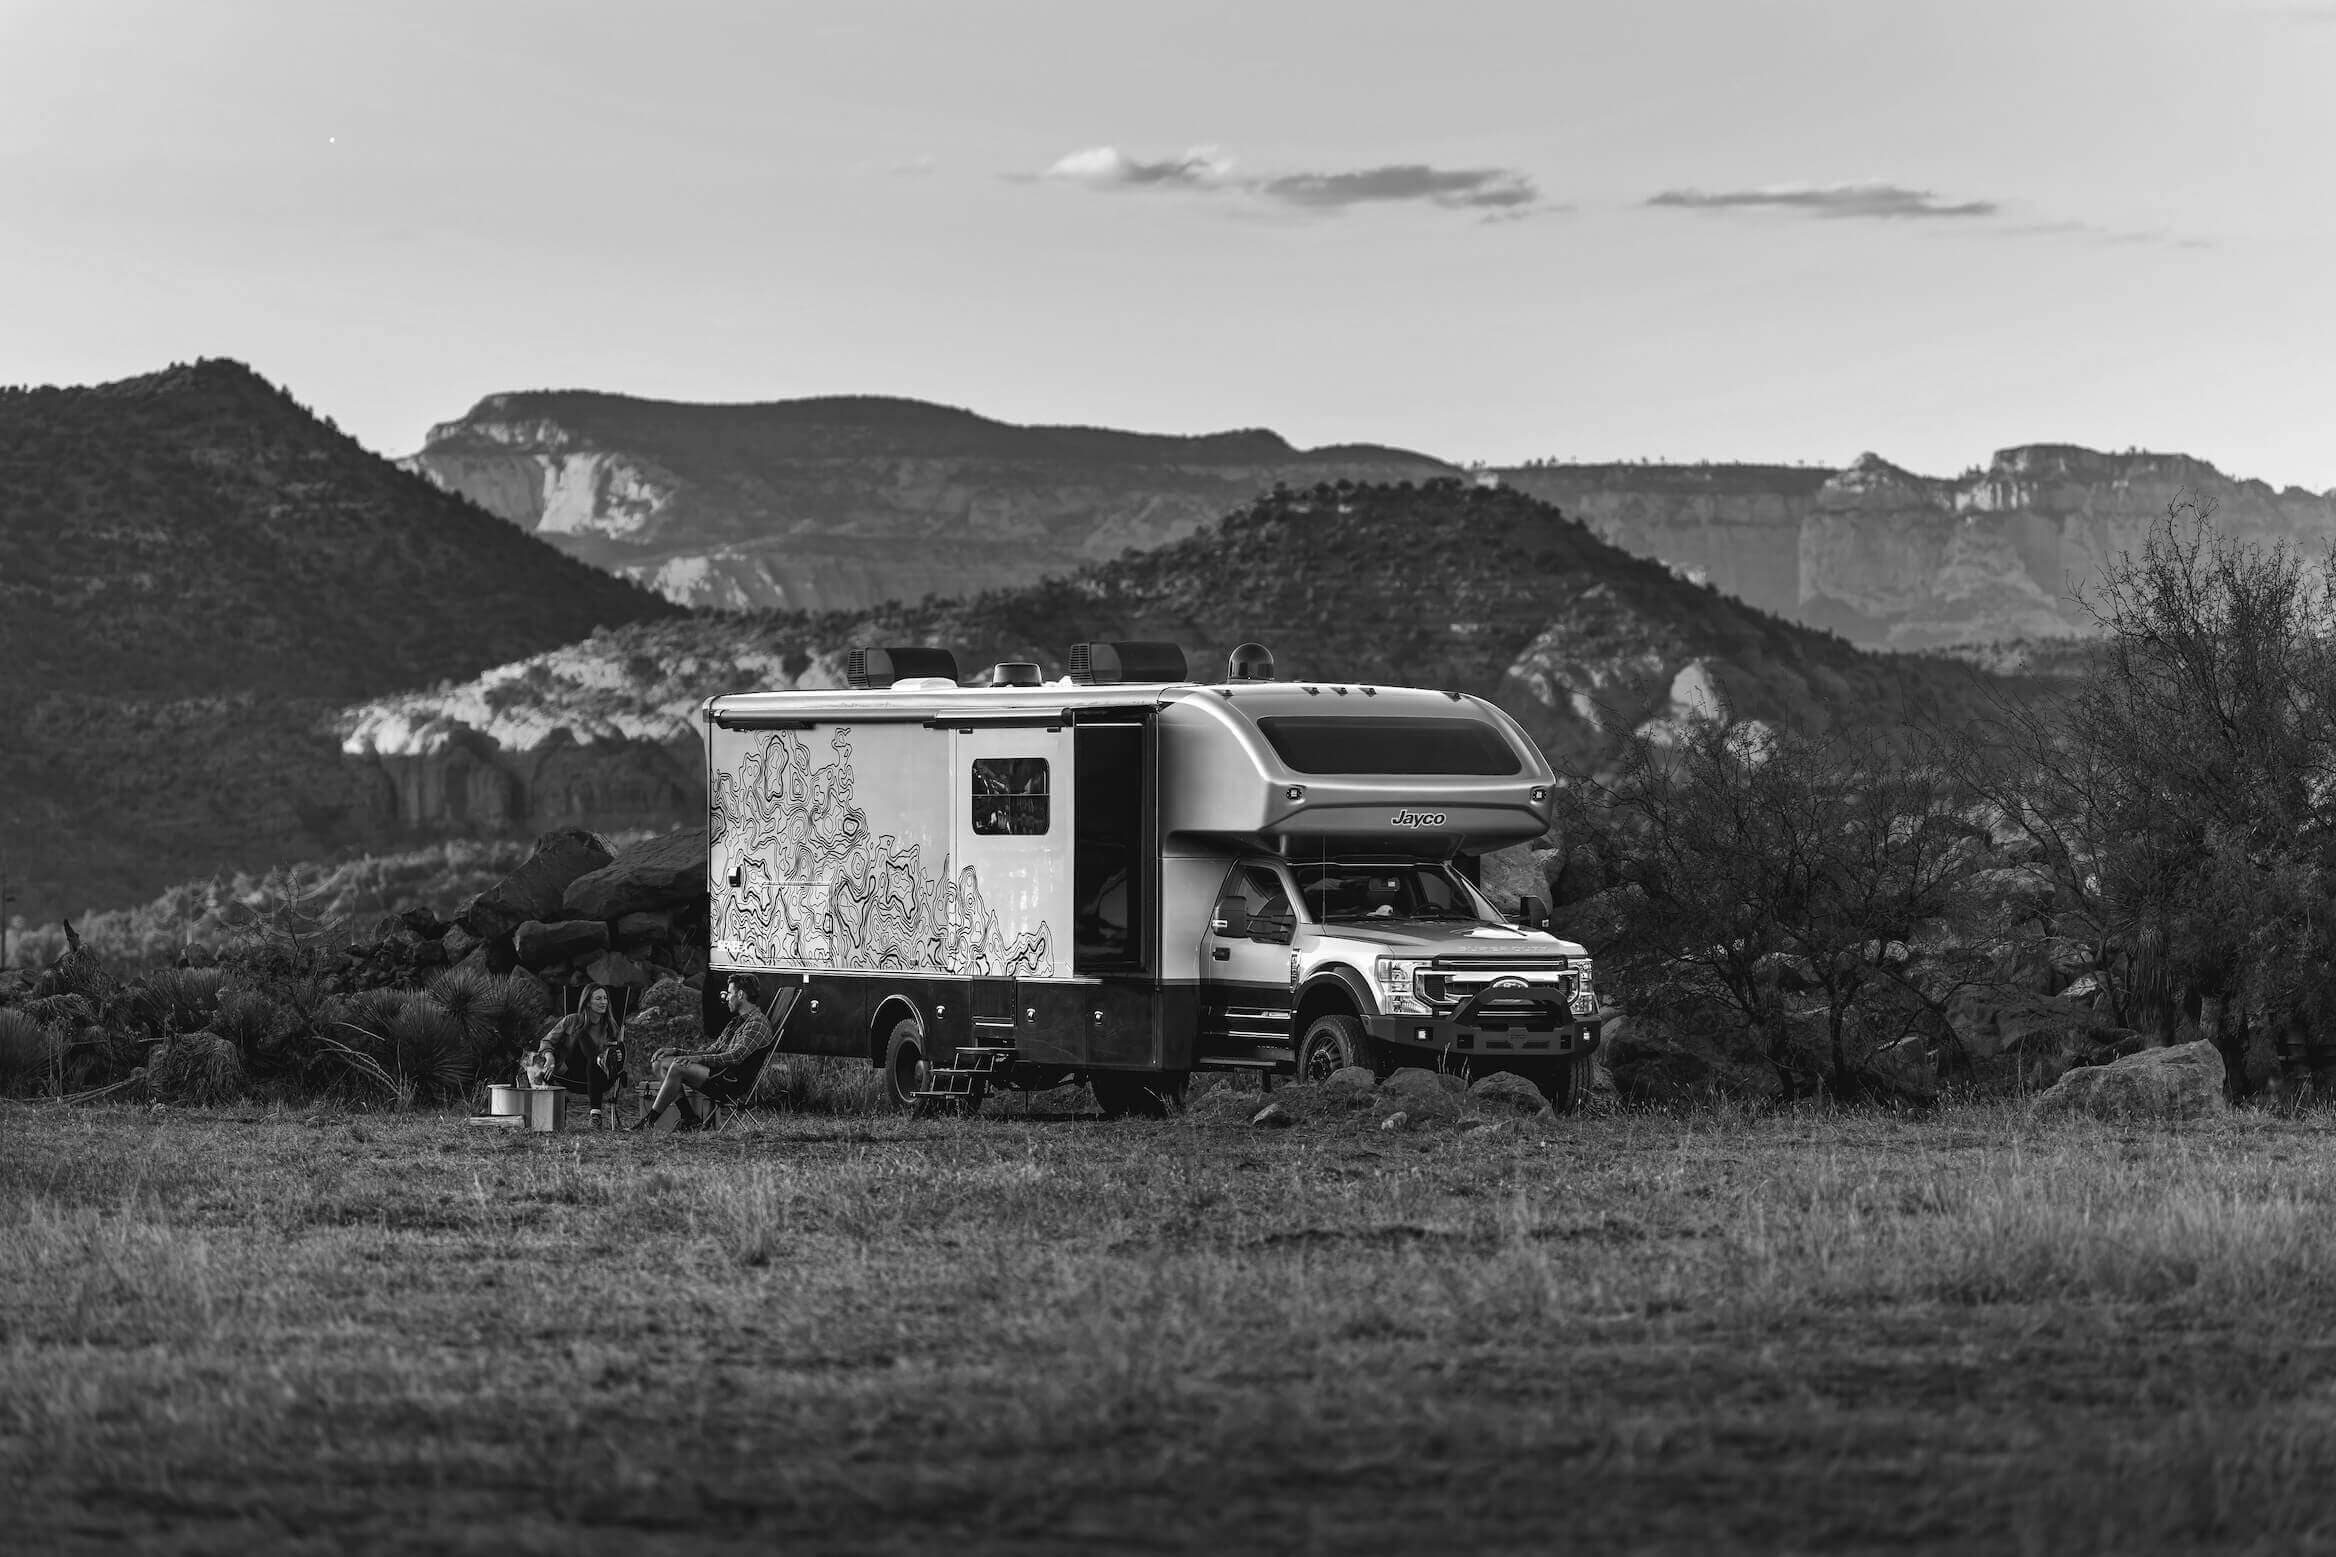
<point>1331,1044</point>
<point>1561,1081</point>
<point>1125,1094</point>
<point>907,1071</point>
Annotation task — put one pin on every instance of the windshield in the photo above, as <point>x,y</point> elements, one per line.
<point>1344,890</point>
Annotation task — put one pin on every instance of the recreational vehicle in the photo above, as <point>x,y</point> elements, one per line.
<point>1125,876</point>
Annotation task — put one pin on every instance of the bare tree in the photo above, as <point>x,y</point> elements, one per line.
<point>1787,875</point>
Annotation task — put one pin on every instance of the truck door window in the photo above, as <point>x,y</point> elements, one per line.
<point>1009,795</point>
<point>1271,918</point>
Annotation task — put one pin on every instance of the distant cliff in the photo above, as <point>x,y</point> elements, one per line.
<point>840,503</point>
<point>1439,585</point>
<point>1889,558</point>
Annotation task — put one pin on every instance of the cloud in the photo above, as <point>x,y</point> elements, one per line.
<point>1107,167</point>
<point>1862,201</point>
<point>1496,194</point>
<point>1462,189</point>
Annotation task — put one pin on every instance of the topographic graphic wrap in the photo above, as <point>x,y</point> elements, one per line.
<point>818,887</point>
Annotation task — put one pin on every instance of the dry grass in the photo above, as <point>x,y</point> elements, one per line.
<point>222,1331</point>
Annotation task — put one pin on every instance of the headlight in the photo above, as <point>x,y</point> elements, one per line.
<point>1585,993</point>
<point>1395,974</point>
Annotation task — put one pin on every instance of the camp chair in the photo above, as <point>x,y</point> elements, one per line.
<point>730,1091</point>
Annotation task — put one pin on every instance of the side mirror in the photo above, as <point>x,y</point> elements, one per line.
<point>1531,913</point>
<point>1232,918</point>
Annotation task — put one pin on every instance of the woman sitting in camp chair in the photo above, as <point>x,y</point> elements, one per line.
<point>725,1074</point>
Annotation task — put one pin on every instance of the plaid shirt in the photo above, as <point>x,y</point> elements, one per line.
<point>747,1032</point>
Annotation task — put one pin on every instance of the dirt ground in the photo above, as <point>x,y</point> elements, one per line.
<point>291,1331</point>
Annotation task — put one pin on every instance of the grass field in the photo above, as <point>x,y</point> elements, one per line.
<point>313,1331</point>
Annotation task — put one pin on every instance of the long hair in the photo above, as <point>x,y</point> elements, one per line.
<point>603,1030</point>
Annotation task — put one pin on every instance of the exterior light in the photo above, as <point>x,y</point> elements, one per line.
<point>1295,792</point>
<point>1540,793</point>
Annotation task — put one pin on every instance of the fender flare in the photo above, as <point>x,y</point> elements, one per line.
<point>1350,988</point>
<point>889,1011</point>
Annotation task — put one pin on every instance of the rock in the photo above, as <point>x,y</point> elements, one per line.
<point>2184,1082</point>
<point>666,1016</point>
<point>1490,1130</point>
<point>1506,1092</point>
<point>1273,1117</point>
<point>1396,1121</point>
<point>459,943</point>
<point>422,921</point>
<point>660,873</point>
<point>535,889</point>
<point>1424,1094</point>
<point>541,945</point>
<point>644,929</point>
<point>1350,1082</point>
<point>615,968</point>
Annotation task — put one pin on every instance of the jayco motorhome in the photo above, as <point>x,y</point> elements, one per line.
<point>1125,876</point>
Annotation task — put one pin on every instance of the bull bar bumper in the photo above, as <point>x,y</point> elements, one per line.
<point>1534,1022</point>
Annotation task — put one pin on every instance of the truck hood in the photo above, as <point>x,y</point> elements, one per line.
<point>1444,938</point>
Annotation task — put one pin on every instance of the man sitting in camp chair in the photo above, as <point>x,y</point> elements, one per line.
<point>726,1073</point>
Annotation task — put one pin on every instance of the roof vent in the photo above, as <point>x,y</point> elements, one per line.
<point>1250,662</point>
<point>1016,673</point>
<point>873,670</point>
<point>1107,664</point>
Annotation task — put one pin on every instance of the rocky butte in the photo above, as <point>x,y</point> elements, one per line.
<point>843,502</point>
<point>1888,558</point>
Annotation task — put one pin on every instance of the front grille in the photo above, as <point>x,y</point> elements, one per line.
<point>1447,987</point>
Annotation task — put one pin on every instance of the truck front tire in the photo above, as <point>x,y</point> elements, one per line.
<point>1561,1081</point>
<point>1331,1044</point>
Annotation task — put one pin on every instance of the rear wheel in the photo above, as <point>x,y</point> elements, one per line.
<point>906,1069</point>
<point>1331,1044</point>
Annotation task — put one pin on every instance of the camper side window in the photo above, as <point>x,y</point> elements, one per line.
<point>1009,795</point>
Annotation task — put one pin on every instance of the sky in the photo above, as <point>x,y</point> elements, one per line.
<point>1779,230</point>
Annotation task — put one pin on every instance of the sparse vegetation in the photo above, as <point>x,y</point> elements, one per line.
<point>1679,1332</point>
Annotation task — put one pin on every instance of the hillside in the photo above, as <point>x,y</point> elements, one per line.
<point>1443,585</point>
<point>194,570</point>
<point>1887,557</point>
<point>842,502</point>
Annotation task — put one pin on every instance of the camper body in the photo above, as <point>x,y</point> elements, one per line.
<point>1129,882</point>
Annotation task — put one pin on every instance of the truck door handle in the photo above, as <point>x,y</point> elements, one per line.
<point>1221,953</point>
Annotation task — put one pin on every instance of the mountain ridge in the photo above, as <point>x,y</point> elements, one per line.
<point>195,570</point>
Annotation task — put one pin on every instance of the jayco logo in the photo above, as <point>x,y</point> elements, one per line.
<point>1409,818</point>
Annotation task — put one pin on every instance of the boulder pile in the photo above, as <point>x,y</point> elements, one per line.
<point>576,912</point>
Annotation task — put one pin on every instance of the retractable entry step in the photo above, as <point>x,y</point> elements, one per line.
<point>965,1079</point>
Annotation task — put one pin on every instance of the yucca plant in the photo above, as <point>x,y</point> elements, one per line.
<point>29,1054</point>
<point>400,1042</point>
<point>256,1025</point>
<point>202,1069</point>
<point>479,1003</point>
<point>177,1000</point>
